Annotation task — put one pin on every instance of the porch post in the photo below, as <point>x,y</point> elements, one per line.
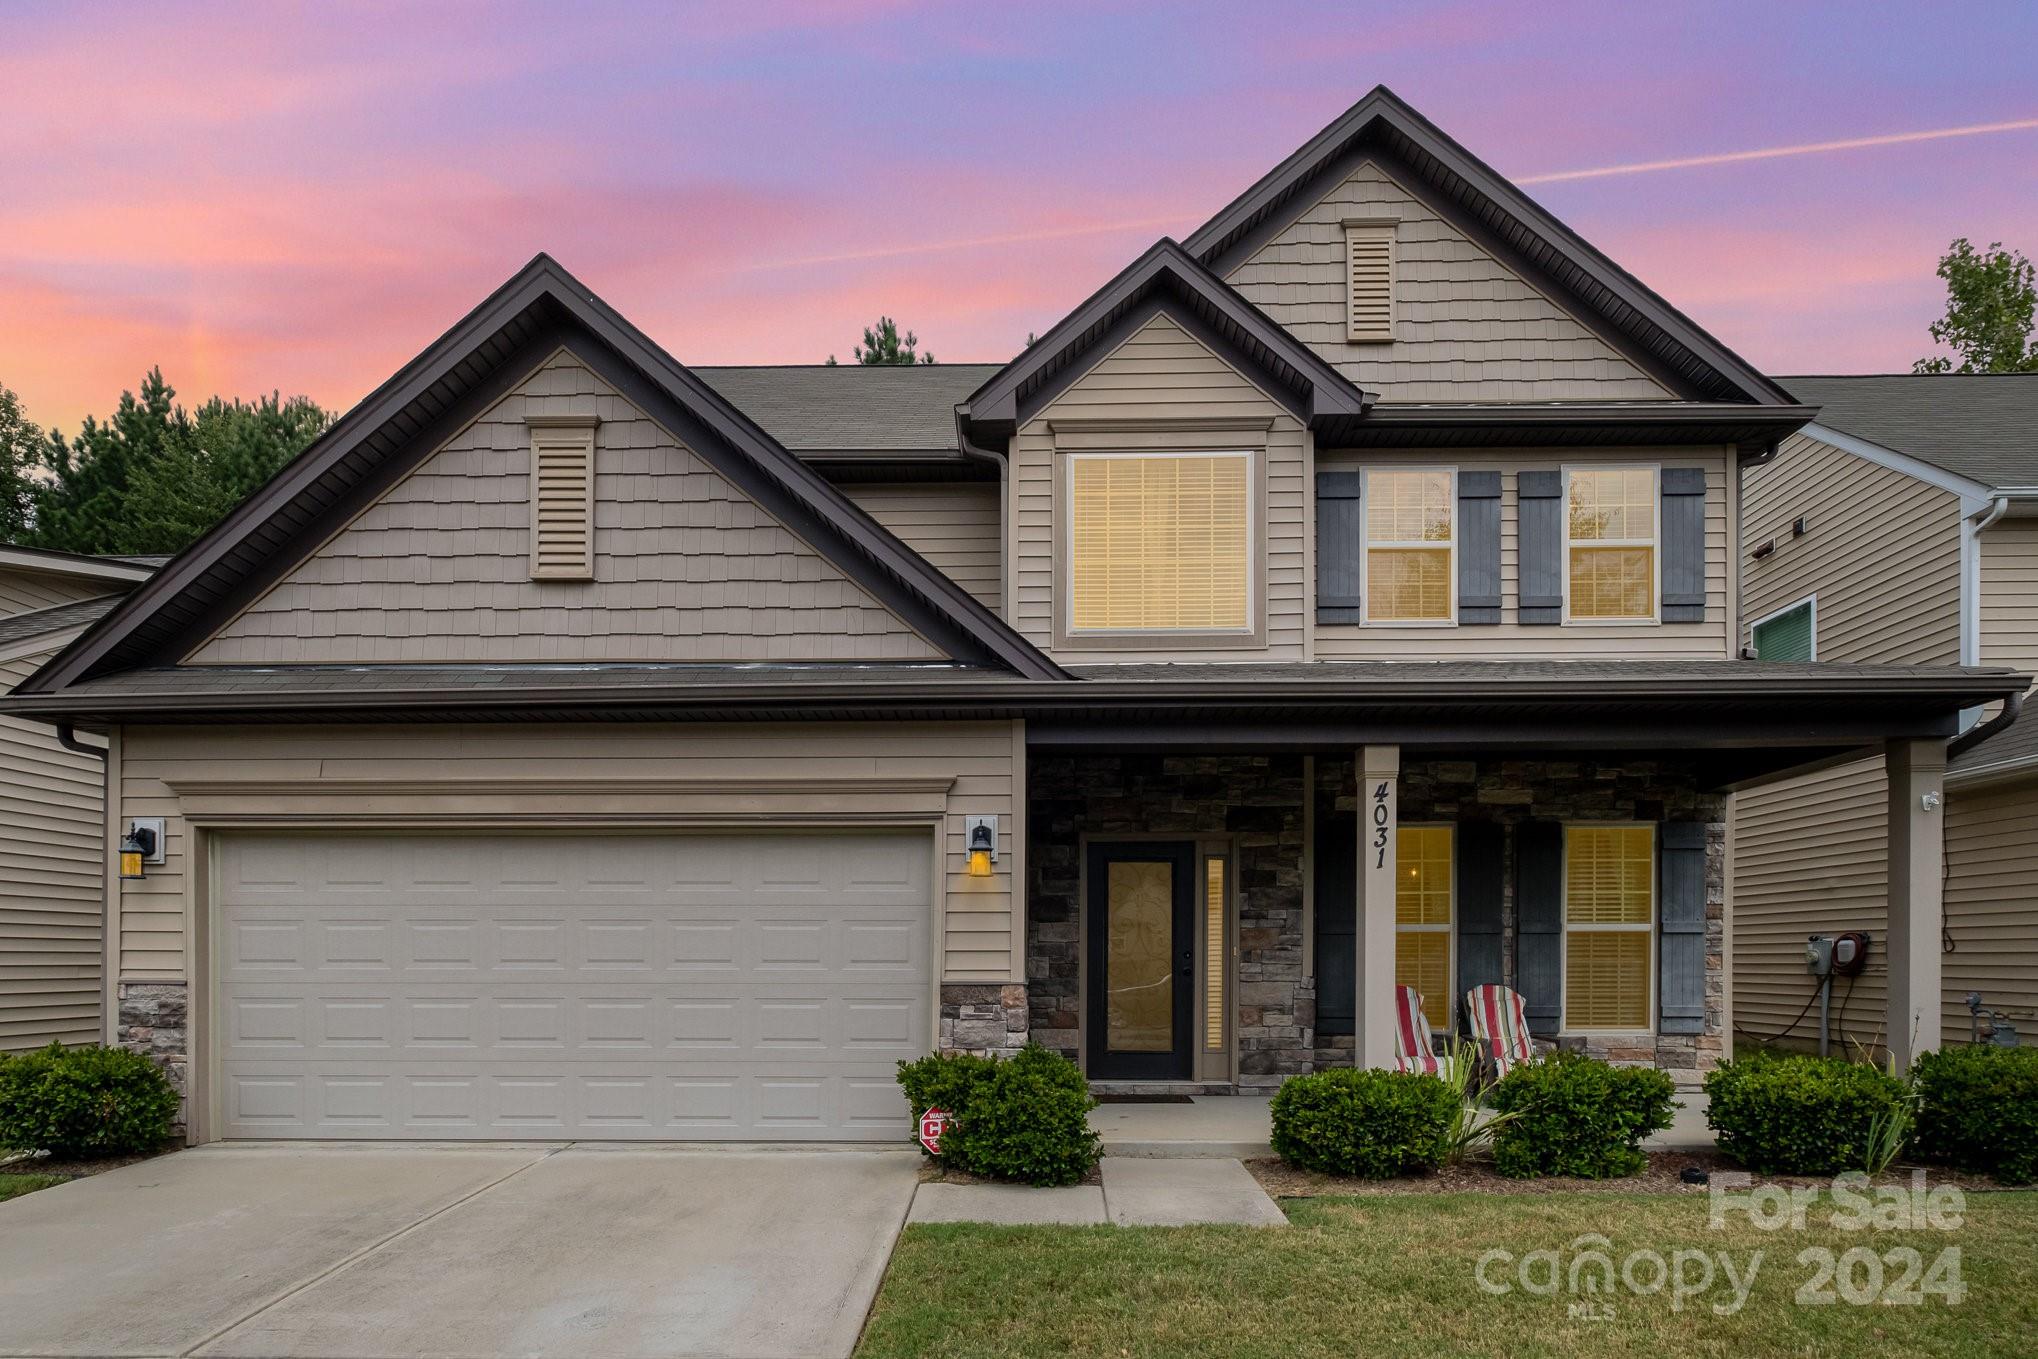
<point>1917,856</point>
<point>1379,814</point>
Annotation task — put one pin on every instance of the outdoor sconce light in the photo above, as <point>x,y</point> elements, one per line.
<point>143,844</point>
<point>981,838</point>
<point>1930,802</point>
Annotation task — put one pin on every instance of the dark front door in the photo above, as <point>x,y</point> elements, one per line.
<point>1142,959</point>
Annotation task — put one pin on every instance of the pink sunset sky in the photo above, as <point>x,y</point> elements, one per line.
<point>271,196</point>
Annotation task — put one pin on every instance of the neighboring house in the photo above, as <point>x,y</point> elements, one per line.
<point>575,743</point>
<point>52,809</point>
<point>1900,527</point>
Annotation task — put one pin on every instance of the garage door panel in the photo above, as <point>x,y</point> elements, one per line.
<point>391,987</point>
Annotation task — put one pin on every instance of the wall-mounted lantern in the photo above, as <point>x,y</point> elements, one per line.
<point>980,836</point>
<point>143,844</point>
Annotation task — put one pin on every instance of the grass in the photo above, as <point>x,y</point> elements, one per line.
<point>14,1186</point>
<point>1395,1275</point>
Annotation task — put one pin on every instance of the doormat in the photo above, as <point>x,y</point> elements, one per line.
<point>1143,1099</point>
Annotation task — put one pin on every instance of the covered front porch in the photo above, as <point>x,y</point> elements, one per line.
<point>1230,870</point>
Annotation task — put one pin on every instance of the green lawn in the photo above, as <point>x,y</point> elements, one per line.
<point>1395,1275</point>
<point>14,1186</point>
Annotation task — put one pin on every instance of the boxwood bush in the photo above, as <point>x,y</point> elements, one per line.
<point>1376,1124</point>
<point>1798,1115</point>
<point>1024,1118</point>
<point>77,1103</point>
<point>1569,1114</point>
<point>1979,1110</point>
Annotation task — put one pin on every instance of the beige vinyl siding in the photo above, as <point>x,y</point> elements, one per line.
<point>952,525</point>
<point>686,567</point>
<point>984,760</point>
<point>1710,640</point>
<point>1992,904</point>
<point>1882,553</point>
<point>1811,855</point>
<point>51,898</point>
<point>1466,327</point>
<point>27,591</point>
<point>1161,374</point>
<point>2009,594</point>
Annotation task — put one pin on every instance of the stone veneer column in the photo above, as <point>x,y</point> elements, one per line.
<point>155,1020</point>
<point>1379,814</point>
<point>987,1018</point>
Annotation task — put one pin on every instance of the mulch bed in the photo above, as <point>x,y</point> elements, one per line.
<point>934,1172</point>
<point>71,1170</point>
<point>1476,1175</point>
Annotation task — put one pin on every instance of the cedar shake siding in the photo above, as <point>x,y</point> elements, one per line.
<point>686,567</point>
<point>1811,855</point>
<point>1163,390</point>
<point>51,875</point>
<point>954,525</point>
<point>27,591</point>
<point>1466,327</point>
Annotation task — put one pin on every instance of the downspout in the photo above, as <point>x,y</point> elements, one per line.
<point>977,453</point>
<point>67,737</point>
<point>109,948</point>
<point>1978,522</point>
<point>1967,741</point>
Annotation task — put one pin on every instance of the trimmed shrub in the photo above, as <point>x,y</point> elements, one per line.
<point>77,1103</point>
<point>1575,1115</point>
<point>1800,1115</point>
<point>1025,1118</point>
<point>1376,1124</point>
<point>1979,1110</point>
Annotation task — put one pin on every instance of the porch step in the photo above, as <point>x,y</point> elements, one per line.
<point>1206,1127</point>
<point>1127,1089</point>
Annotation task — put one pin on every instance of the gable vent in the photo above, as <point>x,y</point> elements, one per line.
<point>562,500</point>
<point>1369,265</point>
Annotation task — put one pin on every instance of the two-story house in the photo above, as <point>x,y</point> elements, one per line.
<point>52,809</point>
<point>576,743</point>
<point>1900,527</point>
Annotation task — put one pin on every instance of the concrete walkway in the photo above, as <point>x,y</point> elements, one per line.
<point>1136,1192</point>
<point>375,1252</point>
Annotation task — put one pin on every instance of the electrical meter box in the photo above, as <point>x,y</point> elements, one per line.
<point>1836,955</point>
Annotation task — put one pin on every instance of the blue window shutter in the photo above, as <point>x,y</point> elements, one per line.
<point>1481,885</point>
<point>1680,926</point>
<point>1478,547</point>
<point>1539,922</point>
<point>1337,547</point>
<point>1540,535</point>
<point>1683,544</point>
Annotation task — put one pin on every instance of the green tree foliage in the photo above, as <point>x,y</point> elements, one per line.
<point>153,477</point>
<point>20,455</point>
<point>1991,297</point>
<point>882,344</point>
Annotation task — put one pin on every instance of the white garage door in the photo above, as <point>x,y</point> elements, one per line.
<point>724,986</point>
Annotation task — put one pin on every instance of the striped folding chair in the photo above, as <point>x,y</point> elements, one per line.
<point>1412,1050</point>
<point>1500,1027</point>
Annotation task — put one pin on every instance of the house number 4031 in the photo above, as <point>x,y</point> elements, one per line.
<point>1383,826</point>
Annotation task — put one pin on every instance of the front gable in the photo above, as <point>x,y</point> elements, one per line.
<point>1467,327</point>
<point>686,566</point>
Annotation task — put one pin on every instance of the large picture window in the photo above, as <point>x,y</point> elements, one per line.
<point>1424,896</point>
<point>1159,542</point>
<point>1411,544</point>
<point>1610,543</point>
<point>1609,927</point>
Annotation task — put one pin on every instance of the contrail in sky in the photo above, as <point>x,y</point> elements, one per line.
<point>1179,220</point>
<point>1777,152</point>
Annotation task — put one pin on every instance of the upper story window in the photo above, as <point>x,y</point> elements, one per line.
<point>1159,542</point>
<point>1410,545</point>
<point>1789,634</point>
<point>1610,544</point>
<point>1609,927</point>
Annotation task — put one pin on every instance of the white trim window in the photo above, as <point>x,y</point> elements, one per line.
<point>1408,539</point>
<point>1789,634</point>
<point>1609,928</point>
<point>1612,549</point>
<point>1161,543</point>
<point>1426,917</point>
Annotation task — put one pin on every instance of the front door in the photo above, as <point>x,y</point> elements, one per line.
<point>1142,960</point>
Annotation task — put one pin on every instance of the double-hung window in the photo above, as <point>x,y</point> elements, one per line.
<point>1610,530</point>
<point>1424,897</point>
<point>1411,543</point>
<point>1160,542</point>
<point>1609,927</point>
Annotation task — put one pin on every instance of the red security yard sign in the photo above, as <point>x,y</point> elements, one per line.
<point>932,1124</point>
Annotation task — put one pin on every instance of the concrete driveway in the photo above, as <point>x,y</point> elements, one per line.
<point>343,1251</point>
